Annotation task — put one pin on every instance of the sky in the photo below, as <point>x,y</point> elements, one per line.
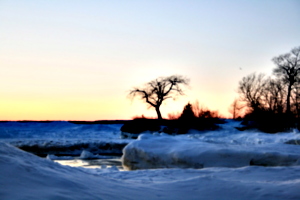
<point>77,60</point>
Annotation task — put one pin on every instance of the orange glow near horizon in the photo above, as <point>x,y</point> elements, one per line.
<point>86,110</point>
<point>62,109</point>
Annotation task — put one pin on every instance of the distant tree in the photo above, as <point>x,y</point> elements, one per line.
<point>288,68</point>
<point>295,97</point>
<point>187,113</point>
<point>274,95</point>
<point>274,102</point>
<point>157,91</point>
<point>251,90</point>
<point>198,109</point>
<point>235,109</point>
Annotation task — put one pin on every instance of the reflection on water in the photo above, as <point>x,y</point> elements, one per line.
<point>92,163</point>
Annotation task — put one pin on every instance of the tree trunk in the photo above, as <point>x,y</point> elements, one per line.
<point>158,113</point>
<point>289,116</point>
<point>288,101</point>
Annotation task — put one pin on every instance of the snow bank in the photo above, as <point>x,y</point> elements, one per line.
<point>25,176</point>
<point>152,152</point>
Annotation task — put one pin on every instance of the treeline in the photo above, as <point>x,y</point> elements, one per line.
<point>268,103</point>
<point>272,103</point>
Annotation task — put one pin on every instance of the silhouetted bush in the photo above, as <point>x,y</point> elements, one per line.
<point>186,120</point>
<point>204,119</point>
<point>140,125</point>
<point>268,121</point>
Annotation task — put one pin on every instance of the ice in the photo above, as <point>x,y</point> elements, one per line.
<point>86,155</point>
<point>151,152</point>
<point>54,157</point>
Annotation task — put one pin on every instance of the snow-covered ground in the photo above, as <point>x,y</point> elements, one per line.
<point>229,164</point>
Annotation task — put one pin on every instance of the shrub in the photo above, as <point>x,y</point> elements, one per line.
<point>268,121</point>
<point>197,118</point>
<point>140,125</point>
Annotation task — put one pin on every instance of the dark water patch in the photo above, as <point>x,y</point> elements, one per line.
<point>102,163</point>
<point>102,148</point>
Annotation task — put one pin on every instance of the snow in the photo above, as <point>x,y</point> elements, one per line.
<point>228,164</point>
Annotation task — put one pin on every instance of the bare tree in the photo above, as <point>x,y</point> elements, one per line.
<point>201,111</point>
<point>262,93</point>
<point>235,109</point>
<point>274,95</point>
<point>296,99</point>
<point>251,88</point>
<point>288,68</point>
<point>160,89</point>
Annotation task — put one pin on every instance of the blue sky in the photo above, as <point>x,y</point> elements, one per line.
<point>78,59</point>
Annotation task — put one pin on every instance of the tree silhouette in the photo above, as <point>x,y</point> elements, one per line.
<point>235,109</point>
<point>160,89</point>
<point>251,88</point>
<point>187,113</point>
<point>288,68</point>
<point>274,95</point>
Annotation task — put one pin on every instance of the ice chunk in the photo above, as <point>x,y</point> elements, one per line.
<point>150,152</point>
<point>54,157</point>
<point>86,155</point>
<point>51,157</point>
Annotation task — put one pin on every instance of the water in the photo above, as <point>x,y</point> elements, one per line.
<point>92,163</point>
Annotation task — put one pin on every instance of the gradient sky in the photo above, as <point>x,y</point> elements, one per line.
<point>77,60</point>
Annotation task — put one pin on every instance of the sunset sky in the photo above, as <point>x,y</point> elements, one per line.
<point>77,60</point>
